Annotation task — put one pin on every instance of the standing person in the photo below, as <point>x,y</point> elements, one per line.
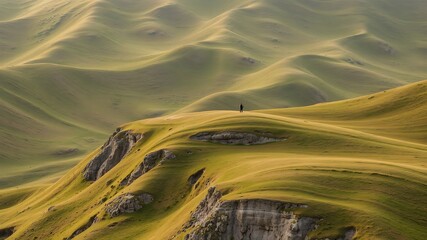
<point>241,107</point>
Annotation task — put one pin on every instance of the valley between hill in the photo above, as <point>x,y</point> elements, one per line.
<point>333,142</point>
<point>71,71</point>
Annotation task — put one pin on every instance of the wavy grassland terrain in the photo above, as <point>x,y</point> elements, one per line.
<point>352,168</point>
<point>334,142</point>
<point>71,71</point>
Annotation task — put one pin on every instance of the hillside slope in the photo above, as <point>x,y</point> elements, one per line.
<point>354,172</point>
<point>70,71</point>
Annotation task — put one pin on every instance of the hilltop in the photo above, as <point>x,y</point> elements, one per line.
<point>71,71</point>
<point>353,168</point>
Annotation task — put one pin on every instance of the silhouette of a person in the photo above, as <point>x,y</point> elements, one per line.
<point>241,107</point>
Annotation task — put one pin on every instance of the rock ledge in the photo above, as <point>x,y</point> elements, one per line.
<point>235,138</point>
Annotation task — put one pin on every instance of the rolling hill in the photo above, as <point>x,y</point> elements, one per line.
<point>351,169</point>
<point>332,145</point>
<point>71,71</point>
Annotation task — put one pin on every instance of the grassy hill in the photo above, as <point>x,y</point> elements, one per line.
<point>358,163</point>
<point>70,71</point>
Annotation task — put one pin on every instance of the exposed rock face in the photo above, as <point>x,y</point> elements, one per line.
<point>234,138</point>
<point>6,232</point>
<point>349,234</point>
<point>247,219</point>
<point>150,161</point>
<point>127,203</point>
<point>112,152</point>
<point>205,208</point>
<point>195,176</point>
<point>81,229</point>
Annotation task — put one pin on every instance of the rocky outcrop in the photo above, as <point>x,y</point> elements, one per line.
<point>349,234</point>
<point>127,203</point>
<point>247,219</point>
<point>6,232</point>
<point>195,176</point>
<point>235,138</point>
<point>205,208</point>
<point>83,228</point>
<point>150,161</point>
<point>112,152</point>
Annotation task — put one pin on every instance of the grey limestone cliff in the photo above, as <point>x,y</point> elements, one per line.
<point>247,219</point>
<point>112,152</point>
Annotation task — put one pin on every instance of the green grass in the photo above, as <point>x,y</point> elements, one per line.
<point>70,72</point>
<point>349,161</point>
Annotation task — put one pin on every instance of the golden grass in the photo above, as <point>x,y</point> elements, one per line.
<point>70,72</point>
<point>349,161</point>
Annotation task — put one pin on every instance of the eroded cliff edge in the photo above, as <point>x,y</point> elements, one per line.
<point>247,219</point>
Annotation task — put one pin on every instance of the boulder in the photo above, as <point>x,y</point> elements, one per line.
<point>127,203</point>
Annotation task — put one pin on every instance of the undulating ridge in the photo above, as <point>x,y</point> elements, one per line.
<point>341,170</point>
<point>119,119</point>
<point>71,71</point>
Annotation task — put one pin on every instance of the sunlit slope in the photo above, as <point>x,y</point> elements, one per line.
<point>397,113</point>
<point>366,169</point>
<point>70,71</point>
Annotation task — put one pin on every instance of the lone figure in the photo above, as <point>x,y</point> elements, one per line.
<point>241,107</point>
